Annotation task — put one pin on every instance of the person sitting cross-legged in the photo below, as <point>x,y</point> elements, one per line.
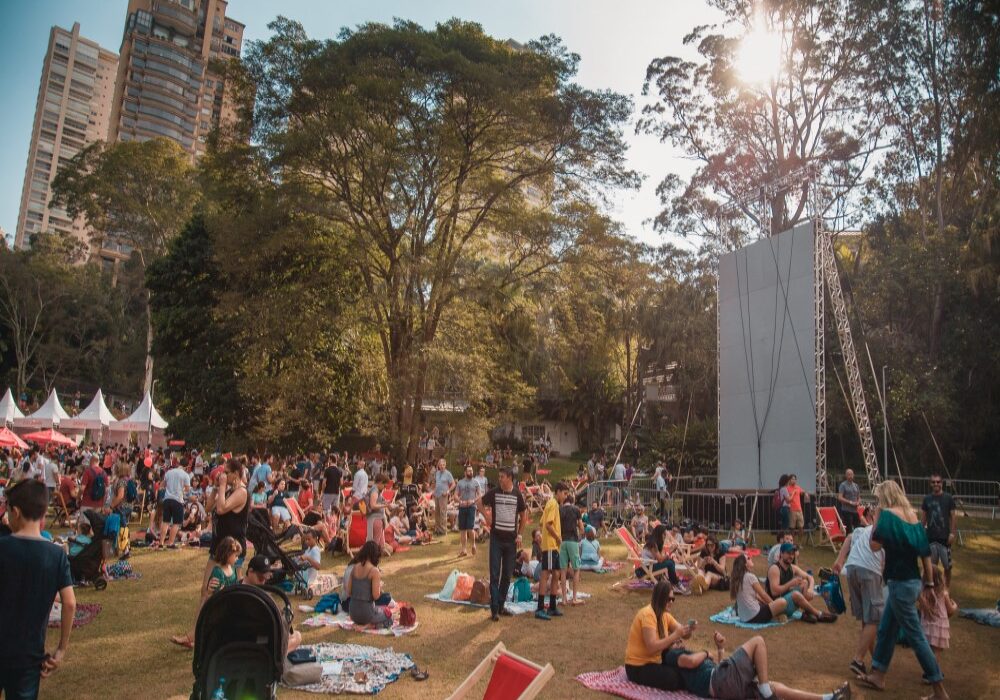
<point>786,580</point>
<point>755,606</point>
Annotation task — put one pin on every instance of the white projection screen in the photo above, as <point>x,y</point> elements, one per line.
<point>767,380</point>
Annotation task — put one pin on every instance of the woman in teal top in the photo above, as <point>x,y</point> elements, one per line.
<point>900,535</point>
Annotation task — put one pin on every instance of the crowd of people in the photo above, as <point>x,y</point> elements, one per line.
<point>897,566</point>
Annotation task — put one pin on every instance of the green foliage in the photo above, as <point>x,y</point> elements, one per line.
<point>193,344</point>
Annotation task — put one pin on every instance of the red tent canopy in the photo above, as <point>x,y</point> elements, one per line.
<point>8,438</point>
<point>44,437</point>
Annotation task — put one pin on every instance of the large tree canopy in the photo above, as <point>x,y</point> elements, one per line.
<point>451,162</point>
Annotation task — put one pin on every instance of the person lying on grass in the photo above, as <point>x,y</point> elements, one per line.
<point>744,674</point>
<point>755,606</point>
<point>223,575</point>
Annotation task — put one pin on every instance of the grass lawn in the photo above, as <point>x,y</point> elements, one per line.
<point>125,652</point>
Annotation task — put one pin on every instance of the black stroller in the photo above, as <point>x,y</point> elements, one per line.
<point>88,565</point>
<point>240,643</point>
<point>265,542</point>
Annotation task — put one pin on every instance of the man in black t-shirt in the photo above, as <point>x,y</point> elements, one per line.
<point>506,515</point>
<point>331,486</point>
<point>33,570</point>
<point>939,517</point>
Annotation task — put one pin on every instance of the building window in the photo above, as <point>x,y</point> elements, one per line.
<point>531,433</point>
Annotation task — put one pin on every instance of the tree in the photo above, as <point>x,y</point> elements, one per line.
<point>140,193</point>
<point>448,159</point>
<point>745,130</point>
<point>193,344</point>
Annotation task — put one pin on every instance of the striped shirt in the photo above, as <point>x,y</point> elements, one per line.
<point>506,507</point>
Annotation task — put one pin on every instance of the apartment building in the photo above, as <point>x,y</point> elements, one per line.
<point>166,86</point>
<point>73,110</point>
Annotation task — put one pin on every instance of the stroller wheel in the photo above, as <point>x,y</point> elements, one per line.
<point>100,584</point>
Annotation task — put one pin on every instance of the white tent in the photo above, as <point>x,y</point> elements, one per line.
<point>141,420</point>
<point>49,415</point>
<point>9,411</point>
<point>96,416</point>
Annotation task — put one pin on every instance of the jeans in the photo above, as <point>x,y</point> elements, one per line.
<point>20,683</point>
<point>784,515</point>
<point>901,612</point>
<point>667,564</point>
<point>502,555</point>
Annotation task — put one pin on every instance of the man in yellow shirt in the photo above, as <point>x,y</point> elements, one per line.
<point>551,540</point>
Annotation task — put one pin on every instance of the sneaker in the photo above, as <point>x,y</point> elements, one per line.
<point>495,617</point>
<point>555,612</point>
<point>843,692</point>
<point>858,668</point>
<point>506,613</point>
<point>541,615</point>
<point>810,618</point>
<point>827,617</point>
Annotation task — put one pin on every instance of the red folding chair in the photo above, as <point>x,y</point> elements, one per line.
<point>512,677</point>
<point>295,511</point>
<point>831,527</point>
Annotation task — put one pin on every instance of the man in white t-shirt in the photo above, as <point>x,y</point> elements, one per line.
<point>359,484</point>
<point>51,476</point>
<point>862,565</point>
<point>176,483</point>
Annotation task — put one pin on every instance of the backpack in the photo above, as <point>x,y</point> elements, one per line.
<point>522,590</point>
<point>131,491</point>
<point>407,615</point>
<point>776,499</point>
<point>480,593</point>
<point>833,596</point>
<point>124,540</point>
<point>98,486</point>
<point>329,603</point>
<point>112,526</point>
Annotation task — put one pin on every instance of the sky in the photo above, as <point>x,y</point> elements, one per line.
<point>615,41</point>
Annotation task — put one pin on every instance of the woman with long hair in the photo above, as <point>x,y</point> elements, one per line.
<point>785,495</point>
<point>654,630</point>
<point>655,552</point>
<point>755,606</point>
<point>899,533</point>
<point>710,572</point>
<point>363,585</point>
<point>223,573</point>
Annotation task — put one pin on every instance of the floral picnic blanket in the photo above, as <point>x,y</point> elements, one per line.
<point>617,683</point>
<point>527,606</point>
<point>343,621</point>
<point>356,669</point>
<point>85,613</point>
<point>729,617</point>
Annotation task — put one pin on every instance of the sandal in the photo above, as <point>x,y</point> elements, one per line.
<point>182,641</point>
<point>418,675</point>
<point>867,682</point>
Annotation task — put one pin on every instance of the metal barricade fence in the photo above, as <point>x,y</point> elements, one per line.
<point>713,510</point>
<point>976,494</point>
<point>619,500</point>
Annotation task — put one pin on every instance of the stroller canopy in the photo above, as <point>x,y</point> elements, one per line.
<point>242,613</point>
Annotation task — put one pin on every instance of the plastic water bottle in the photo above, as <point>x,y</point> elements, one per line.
<point>220,692</point>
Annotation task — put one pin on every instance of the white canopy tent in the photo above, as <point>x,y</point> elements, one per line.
<point>142,419</point>
<point>96,416</point>
<point>49,415</point>
<point>9,412</point>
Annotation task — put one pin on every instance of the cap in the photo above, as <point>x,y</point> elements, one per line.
<point>788,547</point>
<point>259,564</point>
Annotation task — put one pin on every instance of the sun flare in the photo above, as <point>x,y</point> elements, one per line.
<point>759,56</point>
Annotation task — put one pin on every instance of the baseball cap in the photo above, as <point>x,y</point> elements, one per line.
<point>788,547</point>
<point>259,564</point>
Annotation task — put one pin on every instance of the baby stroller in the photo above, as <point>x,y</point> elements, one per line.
<point>240,643</point>
<point>264,542</point>
<point>88,565</point>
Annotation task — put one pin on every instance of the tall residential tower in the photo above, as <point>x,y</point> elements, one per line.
<point>72,111</point>
<point>165,85</point>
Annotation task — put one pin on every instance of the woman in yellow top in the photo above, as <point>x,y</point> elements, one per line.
<point>654,631</point>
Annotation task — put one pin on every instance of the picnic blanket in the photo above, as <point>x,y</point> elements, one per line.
<point>984,616</point>
<point>729,617</point>
<point>608,567</point>
<point>344,664</point>
<point>325,583</point>
<point>85,613</point>
<point>527,606</point>
<point>617,683</point>
<point>122,571</point>
<point>343,621</point>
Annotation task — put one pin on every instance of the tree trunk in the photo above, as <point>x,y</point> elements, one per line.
<point>147,385</point>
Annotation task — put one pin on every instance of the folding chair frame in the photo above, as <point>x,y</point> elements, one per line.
<point>545,673</point>
<point>636,558</point>
<point>826,536</point>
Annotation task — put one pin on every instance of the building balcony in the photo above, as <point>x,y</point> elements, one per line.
<point>176,17</point>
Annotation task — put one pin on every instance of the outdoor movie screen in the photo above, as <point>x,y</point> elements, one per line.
<point>767,380</point>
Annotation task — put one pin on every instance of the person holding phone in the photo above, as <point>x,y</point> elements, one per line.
<point>653,632</point>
